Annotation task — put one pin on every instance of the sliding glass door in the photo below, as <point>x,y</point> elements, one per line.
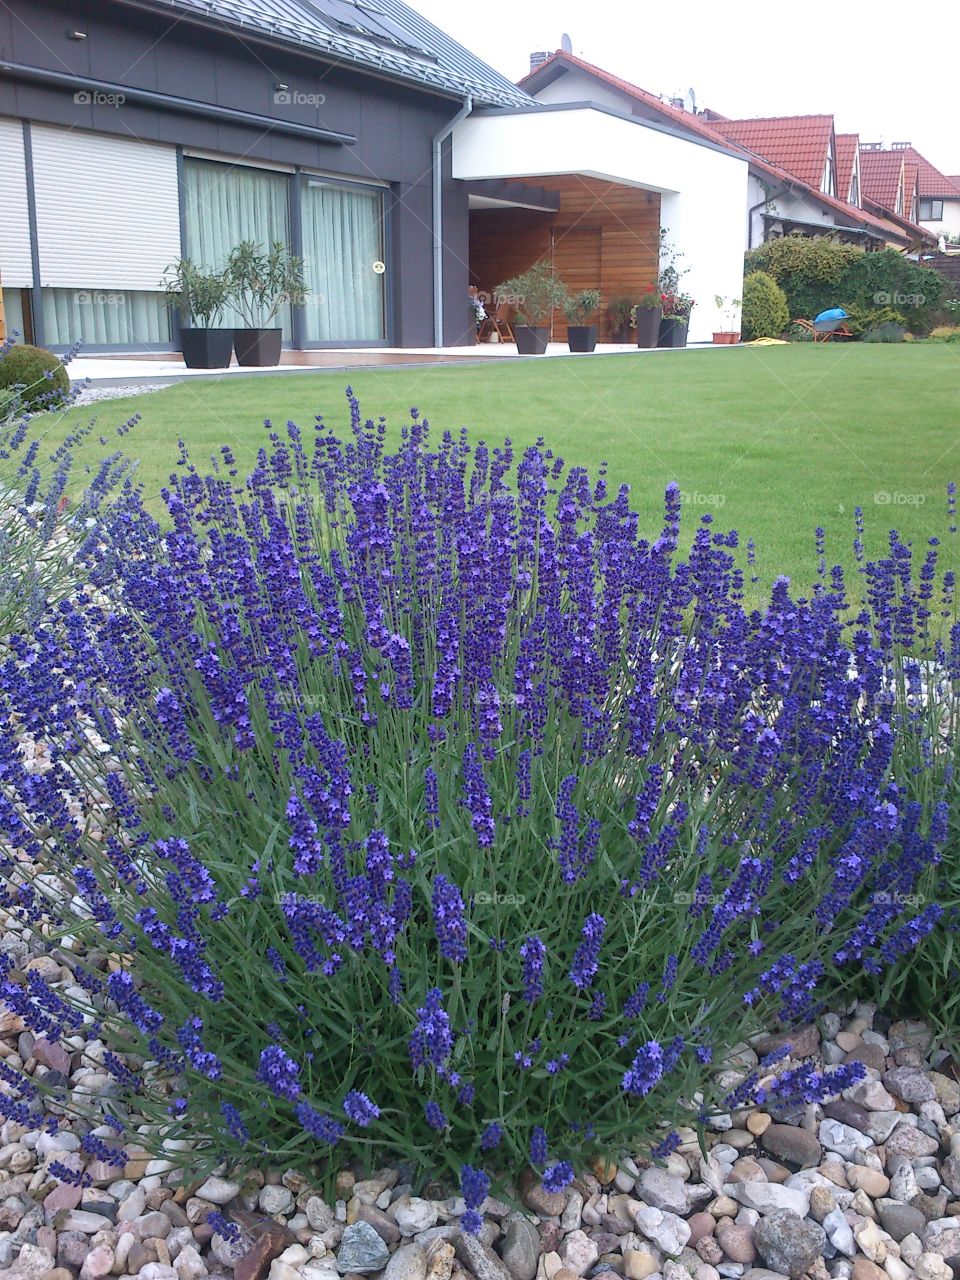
<point>227,203</point>
<point>343,250</point>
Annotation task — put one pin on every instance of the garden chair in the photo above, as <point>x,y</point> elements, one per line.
<point>499,321</point>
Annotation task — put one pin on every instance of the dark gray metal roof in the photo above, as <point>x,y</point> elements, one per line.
<point>384,36</point>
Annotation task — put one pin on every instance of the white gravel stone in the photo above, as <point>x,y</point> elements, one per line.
<point>218,1191</point>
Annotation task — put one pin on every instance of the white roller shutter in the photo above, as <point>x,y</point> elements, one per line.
<point>15,267</point>
<point>107,209</point>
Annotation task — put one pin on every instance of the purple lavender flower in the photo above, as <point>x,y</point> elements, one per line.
<point>319,1124</point>
<point>586,962</point>
<point>432,1039</point>
<point>434,1116</point>
<point>491,1136</point>
<point>558,1176</point>
<point>360,1109</point>
<point>645,1071</point>
<point>279,1072</point>
<point>449,919</point>
<point>474,1187</point>
<point>533,954</point>
<point>538,1146</point>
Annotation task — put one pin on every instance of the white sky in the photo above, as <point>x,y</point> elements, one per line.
<point>875,69</point>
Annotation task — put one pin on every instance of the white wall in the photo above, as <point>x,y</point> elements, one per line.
<point>949,224</point>
<point>703,190</point>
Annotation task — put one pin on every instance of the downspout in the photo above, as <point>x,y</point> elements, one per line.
<point>438,140</point>
<point>759,205</point>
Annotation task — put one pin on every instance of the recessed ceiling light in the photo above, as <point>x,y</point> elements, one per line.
<point>76,35</point>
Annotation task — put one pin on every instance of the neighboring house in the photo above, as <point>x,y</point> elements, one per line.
<point>937,195</point>
<point>134,131</point>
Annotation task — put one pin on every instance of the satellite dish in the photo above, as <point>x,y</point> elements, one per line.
<point>566,44</point>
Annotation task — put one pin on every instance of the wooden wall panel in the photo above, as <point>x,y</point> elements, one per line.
<point>603,236</point>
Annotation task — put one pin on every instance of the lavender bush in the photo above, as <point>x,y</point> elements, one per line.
<point>419,803</point>
<point>40,530</point>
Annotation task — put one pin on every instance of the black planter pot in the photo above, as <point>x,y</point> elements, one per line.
<point>622,333</point>
<point>206,348</point>
<point>531,340</point>
<point>648,326</point>
<point>582,337</point>
<point>259,348</point>
<point>673,333</point>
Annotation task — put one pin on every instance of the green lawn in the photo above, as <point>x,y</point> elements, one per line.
<point>772,440</point>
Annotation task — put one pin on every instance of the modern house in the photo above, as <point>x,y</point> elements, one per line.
<point>134,131</point>
<point>392,160</point>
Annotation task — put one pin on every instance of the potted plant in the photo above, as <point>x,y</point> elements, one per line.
<point>618,313</point>
<point>645,318</point>
<point>199,297</point>
<point>729,335</point>
<point>578,308</point>
<point>676,318</point>
<point>534,293</point>
<point>259,282</point>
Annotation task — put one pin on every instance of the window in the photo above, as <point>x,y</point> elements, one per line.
<point>855,188</point>
<point>343,262</point>
<point>931,210</point>
<point>228,203</point>
<point>14,314</point>
<point>104,317</point>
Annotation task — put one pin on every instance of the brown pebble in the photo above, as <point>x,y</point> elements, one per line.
<point>864,1269</point>
<point>758,1122</point>
<point>700,1224</point>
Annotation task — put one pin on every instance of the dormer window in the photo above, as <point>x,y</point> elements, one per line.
<point>829,183</point>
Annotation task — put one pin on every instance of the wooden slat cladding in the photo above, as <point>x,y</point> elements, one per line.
<point>604,236</point>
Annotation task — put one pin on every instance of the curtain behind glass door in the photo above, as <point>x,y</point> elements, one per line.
<point>342,246</point>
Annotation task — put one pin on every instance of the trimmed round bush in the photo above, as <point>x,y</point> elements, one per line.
<point>40,380</point>
<point>765,310</point>
<point>423,804</point>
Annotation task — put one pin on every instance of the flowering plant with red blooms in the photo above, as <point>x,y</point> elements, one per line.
<point>677,306</point>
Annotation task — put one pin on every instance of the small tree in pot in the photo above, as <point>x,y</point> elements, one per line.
<point>259,283</point>
<point>729,334</point>
<point>645,318</point>
<point>199,297</point>
<point>578,308</point>
<point>534,293</point>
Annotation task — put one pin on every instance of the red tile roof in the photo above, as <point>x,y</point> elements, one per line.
<point>881,173</point>
<point>698,126</point>
<point>848,145</point>
<point>932,181</point>
<point>799,144</point>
